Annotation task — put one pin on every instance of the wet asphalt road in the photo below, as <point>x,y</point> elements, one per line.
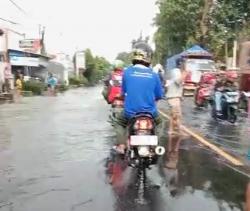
<point>233,138</point>
<point>54,153</point>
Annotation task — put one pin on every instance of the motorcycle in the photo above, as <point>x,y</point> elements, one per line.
<point>143,148</point>
<point>229,105</point>
<point>245,92</point>
<point>204,90</point>
<point>245,101</point>
<point>117,106</point>
<point>115,99</point>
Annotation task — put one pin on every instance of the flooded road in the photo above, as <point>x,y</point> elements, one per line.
<point>55,153</point>
<point>234,138</point>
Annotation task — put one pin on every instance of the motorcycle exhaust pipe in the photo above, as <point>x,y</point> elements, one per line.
<point>159,150</point>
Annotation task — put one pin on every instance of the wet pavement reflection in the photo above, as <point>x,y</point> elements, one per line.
<point>55,155</point>
<point>233,138</point>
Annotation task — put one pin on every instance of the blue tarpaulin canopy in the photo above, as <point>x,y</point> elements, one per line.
<point>196,50</point>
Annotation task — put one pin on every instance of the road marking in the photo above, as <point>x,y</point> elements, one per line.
<point>202,140</point>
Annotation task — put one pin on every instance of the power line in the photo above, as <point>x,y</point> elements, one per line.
<point>9,21</point>
<point>18,7</point>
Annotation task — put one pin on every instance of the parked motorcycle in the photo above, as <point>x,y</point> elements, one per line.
<point>204,90</point>
<point>229,105</point>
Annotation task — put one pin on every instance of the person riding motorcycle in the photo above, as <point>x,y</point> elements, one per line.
<point>226,82</point>
<point>112,84</point>
<point>141,88</point>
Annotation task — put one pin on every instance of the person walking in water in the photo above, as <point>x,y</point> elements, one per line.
<point>52,83</point>
<point>18,86</point>
<point>174,95</point>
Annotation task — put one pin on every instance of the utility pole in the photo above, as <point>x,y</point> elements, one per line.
<point>226,52</point>
<point>39,31</point>
<point>43,51</point>
<point>235,47</point>
<point>235,53</point>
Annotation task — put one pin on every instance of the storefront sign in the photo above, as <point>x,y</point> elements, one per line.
<point>24,61</point>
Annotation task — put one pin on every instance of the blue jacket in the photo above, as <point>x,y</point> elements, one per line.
<point>141,88</point>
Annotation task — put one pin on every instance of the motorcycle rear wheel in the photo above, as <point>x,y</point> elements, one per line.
<point>232,116</point>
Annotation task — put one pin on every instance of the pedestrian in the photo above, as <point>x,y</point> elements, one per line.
<point>174,95</point>
<point>18,86</point>
<point>52,83</point>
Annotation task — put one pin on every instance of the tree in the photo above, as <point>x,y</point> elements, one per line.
<point>177,24</point>
<point>90,66</point>
<point>102,67</point>
<point>210,23</point>
<point>125,57</point>
<point>96,67</point>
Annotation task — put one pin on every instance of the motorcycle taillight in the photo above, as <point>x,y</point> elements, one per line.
<point>143,124</point>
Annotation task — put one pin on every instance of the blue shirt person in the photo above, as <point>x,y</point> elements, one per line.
<point>52,81</point>
<point>141,88</point>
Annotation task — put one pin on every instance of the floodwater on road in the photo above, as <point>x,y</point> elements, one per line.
<point>54,154</point>
<point>231,137</point>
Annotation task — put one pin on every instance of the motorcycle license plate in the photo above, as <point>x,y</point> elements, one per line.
<point>233,94</point>
<point>118,103</point>
<point>143,140</point>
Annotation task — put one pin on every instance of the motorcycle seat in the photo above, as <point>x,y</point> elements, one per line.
<point>143,114</point>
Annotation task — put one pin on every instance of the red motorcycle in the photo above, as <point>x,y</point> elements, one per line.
<point>204,90</point>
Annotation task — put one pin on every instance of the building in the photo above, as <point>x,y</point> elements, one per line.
<point>62,67</point>
<point>79,63</point>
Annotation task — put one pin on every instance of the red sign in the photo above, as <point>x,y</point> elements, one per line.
<point>31,45</point>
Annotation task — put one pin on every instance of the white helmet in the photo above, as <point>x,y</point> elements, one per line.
<point>118,64</point>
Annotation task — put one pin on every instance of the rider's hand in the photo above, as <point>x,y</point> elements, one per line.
<point>167,83</point>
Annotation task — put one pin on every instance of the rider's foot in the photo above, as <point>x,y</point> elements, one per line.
<point>172,161</point>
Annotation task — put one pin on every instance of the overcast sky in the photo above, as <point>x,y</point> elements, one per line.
<point>105,26</point>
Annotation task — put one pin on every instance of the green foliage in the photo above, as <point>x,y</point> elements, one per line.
<point>78,81</point>
<point>176,23</point>
<point>96,67</point>
<point>36,87</point>
<point>62,87</point>
<point>125,57</point>
<point>90,65</point>
<point>182,23</point>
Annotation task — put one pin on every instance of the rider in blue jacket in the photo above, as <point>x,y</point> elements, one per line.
<point>141,88</point>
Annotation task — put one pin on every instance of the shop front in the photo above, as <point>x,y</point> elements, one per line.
<point>30,65</point>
